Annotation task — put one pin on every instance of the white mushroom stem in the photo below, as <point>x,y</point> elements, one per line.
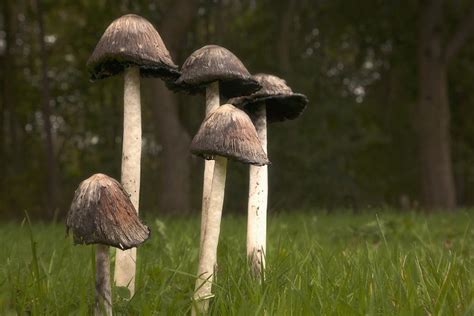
<point>103,297</point>
<point>257,205</point>
<point>212,103</point>
<point>125,261</point>
<point>208,258</point>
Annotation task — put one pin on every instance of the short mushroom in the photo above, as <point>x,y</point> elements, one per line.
<point>216,71</point>
<point>274,102</point>
<point>131,45</point>
<point>101,213</point>
<point>227,133</point>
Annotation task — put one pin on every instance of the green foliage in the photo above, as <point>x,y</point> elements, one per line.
<point>337,264</point>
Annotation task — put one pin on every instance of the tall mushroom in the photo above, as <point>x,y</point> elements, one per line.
<point>131,45</point>
<point>274,102</point>
<point>227,133</point>
<point>101,213</point>
<point>216,71</point>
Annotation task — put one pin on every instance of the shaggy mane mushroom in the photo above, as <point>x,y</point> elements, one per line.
<point>215,71</point>
<point>101,213</point>
<point>275,102</point>
<point>131,45</point>
<point>227,133</point>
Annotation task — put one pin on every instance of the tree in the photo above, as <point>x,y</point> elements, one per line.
<point>7,102</point>
<point>433,112</point>
<point>175,171</point>
<point>50,158</point>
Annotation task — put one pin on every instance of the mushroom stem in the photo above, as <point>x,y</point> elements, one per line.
<point>208,259</point>
<point>212,103</point>
<point>131,155</point>
<point>257,204</point>
<point>103,297</point>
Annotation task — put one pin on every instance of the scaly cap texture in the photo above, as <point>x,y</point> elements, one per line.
<point>131,41</point>
<point>215,63</point>
<point>229,132</point>
<point>281,102</point>
<point>102,213</point>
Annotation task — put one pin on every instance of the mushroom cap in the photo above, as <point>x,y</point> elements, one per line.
<point>131,41</point>
<point>281,102</point>
<point>229,132</point>
<point>215,63</point>
<point>102,213</point>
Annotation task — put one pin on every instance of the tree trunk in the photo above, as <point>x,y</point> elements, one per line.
<point>6,63</point>
<point>9,137</point>
<point>175,171</point>
<point>174,178</point>
<point>433,115</point>
<point>438,189</point>
<point>2,130</point>
<point>284,41</point>
<point>51,163</point>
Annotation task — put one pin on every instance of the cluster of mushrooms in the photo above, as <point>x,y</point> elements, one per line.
<point>105,212</point>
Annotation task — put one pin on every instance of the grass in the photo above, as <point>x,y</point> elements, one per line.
<point>337,264</point>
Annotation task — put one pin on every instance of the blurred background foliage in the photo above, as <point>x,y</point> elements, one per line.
<point>356,145</point>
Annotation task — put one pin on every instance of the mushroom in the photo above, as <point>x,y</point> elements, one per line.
<point>131,45</point>
<point>227,133</point>
<point>274,102</point>
<point>214,70</point>
<point>101,213</point>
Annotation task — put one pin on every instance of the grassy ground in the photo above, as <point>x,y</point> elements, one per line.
<point>337,264</point>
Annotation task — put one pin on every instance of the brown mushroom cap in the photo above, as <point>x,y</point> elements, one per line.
<point>229,132</point>
<point>281,102</point>
<point>131,41</point>
<point>102,213</point>
<point>215,63</point>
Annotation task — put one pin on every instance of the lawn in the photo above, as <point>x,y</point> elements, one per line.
<point>318,264</point>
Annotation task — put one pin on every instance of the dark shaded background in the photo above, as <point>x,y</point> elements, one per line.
<point>389,120</point>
